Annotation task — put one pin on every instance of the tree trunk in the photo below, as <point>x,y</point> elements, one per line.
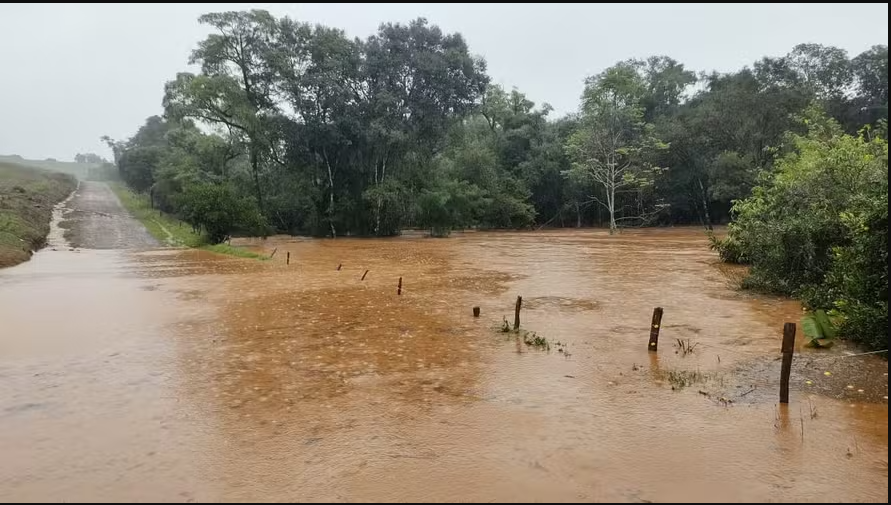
<point>611,202</point>
<point>380,198</point>
<point>578,215</point>
<point>702,194</point>
<point>255,168</point>
<point>330,196</point>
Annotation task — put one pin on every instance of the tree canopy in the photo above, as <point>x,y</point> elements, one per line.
<point>317,133</point>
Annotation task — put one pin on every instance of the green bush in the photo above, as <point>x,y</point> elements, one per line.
<point>817,227</point>
<point>859,274</point>
<point>450,205</point>
<point>219,211</point>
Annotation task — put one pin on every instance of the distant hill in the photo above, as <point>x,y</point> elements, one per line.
<point>79,170</point>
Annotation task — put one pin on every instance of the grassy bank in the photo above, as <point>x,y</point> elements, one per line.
<point>170,230</point>
<point>27,196</point>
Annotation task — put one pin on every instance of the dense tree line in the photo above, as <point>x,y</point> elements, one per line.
<point>297,128</point>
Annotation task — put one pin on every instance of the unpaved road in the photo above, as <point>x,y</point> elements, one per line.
<point>95,219</point>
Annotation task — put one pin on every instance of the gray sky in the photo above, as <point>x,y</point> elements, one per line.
<point>71,73</point>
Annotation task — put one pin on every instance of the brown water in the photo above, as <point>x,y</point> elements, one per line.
<point>185,376</point>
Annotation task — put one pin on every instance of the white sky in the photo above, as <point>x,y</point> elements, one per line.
<point>71,73</point>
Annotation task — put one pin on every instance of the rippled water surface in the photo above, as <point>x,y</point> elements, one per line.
<point>177,375</point>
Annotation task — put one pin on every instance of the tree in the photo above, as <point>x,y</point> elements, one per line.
<point>612,143</point>
<point>235,89</point>
<point>139,157</point>
<point>319,71</point>
<point>870,69</point>
<point>419,81</point>
<point>666,81</point>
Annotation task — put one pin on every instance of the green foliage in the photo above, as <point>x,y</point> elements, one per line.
<point>218,211</point>
<point>450,205</point>
<point>811,327</point>
<point>818,329</point>
<point>331,135</point>
<point>826,326</point>
<point>858,277</point>
<point>817,227</point>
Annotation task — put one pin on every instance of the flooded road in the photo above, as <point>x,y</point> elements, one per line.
<point>175,375</point>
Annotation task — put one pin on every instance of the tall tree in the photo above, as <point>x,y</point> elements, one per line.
<point>611,146</point>
<point>870,69</point>
<point>235,89</point>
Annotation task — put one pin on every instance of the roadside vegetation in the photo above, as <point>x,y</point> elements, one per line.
<point>169,230</point>
<point>27,197</point>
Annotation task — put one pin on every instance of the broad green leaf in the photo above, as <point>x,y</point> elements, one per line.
<point>826,326</point>
<point>811,327</point>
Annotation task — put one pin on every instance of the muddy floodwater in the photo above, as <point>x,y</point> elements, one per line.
<point>180,375</point>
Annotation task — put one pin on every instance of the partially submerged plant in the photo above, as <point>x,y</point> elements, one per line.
<point>685,347</point>
<point>533,340</point>
<point>680,379</point>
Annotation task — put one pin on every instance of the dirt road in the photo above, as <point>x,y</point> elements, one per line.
<point>95,219</point>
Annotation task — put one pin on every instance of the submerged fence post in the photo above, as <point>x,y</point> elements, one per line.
<point>273,253</point>
<point>363,275</point>
<point>288,258</point>
<point>339,267</point>
<point>399,289</point>
<point>788,349</point>
<point>654,329</point>
<point>476,312</point>
<point>517,313</point>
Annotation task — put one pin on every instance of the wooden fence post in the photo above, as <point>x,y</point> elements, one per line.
<point>517,313</point>
<point>399,289</point>
<point>654,329</point>
<point>273,253</point>
<point>288,258</point>
<point>788,349</point>
<point>363,275</point>
<point>476,312</point>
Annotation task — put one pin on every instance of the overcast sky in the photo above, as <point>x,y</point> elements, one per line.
<point>71,73</point>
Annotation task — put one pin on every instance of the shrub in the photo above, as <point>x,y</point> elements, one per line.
<point>817,227</point>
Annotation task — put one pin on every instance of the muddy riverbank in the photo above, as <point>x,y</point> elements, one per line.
<point>183,375</point>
